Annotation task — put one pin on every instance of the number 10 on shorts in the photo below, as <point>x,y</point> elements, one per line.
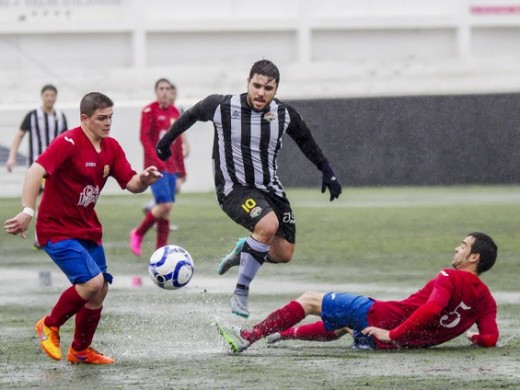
<point>249,205</point>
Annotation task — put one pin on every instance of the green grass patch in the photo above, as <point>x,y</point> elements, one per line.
<point>388,241</point>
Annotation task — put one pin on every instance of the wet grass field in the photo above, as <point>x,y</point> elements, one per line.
<point>383,242</point>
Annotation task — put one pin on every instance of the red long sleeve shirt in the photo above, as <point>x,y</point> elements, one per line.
<point>155,122</point>
<point>443,309</point>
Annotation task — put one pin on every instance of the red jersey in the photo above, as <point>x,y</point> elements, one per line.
<point>443,309</point>
<point>155,122</point>
<point>76,174</point>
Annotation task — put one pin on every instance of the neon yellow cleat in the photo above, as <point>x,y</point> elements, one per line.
<point>231,335</point>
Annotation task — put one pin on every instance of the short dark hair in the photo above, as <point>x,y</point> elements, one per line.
<point>163,80</point>
<point>49,87</point>
<point>486,248</point>
<point>93,101</point>
<point>265,68</point>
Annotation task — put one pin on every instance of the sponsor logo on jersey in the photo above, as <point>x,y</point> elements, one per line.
<point>106,170</point>
<point>255,212</point>
<point>89,195</point>
<point>69,140</point>
<point>90,164</point>
<point>269,116</point>
<point>235,114</point>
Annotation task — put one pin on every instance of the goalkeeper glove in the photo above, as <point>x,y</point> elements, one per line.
<point>163,147</point>
<point>330,181</point>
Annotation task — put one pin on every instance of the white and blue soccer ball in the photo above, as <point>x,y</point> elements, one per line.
<point>171,267</point>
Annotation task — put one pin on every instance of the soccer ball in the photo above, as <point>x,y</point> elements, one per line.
<point>171,267</point>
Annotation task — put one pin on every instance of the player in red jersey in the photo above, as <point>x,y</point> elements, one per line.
<point>446,307</point>
<point>76,166</point>
<point>181,174</point>
<point>156,120</point>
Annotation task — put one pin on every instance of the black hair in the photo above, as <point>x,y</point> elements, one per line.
<point>486,248</point>
<point>49,87</point>
<point>163,80</point>
<point>94,101</point>
<point>265,68</point>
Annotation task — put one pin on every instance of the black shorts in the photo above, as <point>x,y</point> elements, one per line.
<point>246,206</point>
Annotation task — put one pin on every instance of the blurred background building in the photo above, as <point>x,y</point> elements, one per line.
<point>326,49</point>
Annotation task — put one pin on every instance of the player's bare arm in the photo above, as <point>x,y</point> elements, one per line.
<point>31,187</point>
<point>17,140</point>
<point>139,183</point>
<point>378,333</point>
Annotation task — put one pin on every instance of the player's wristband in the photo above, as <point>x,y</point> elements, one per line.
<point>28,211</point>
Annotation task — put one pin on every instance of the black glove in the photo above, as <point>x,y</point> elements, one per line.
<point>330,181</point>
<point>163,147</point>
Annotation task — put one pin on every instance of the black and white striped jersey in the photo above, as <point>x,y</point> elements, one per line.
<point>246,142</point>
<point>42,129</point>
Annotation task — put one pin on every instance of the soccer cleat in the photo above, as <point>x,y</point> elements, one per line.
<point>239,304</point>
<point>135,242</point>
<point>231,334</point>
<point>49,339</point>
<point>232,259</point>
<point>88,356</point>
<point>273,338</point>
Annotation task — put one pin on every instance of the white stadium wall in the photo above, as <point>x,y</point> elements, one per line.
<point>125,129</point>
<point>325,49</point>
<point>328,48</point>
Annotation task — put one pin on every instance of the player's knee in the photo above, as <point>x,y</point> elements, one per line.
<point>268,225</point>
<point>284,257</point>
<point>162,210</point>
<point>281,251</point>
<point>165,208</point>
<point>311,302</point>
<point>93,287</point>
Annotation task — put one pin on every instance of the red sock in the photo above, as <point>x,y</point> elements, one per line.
<point>312,332</point>
<point>163,231</point>
<point>87,321</point>
<point>278,320</point>
<point>148,221</point>
<point>69,303</point>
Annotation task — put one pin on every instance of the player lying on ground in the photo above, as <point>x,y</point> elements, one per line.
<point>446,307</point>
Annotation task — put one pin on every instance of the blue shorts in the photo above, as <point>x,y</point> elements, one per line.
<point>80,260</point>
<point>341,309</point>
<point>163,190</point>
